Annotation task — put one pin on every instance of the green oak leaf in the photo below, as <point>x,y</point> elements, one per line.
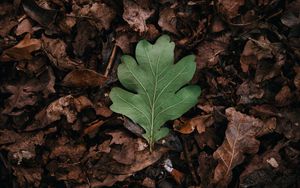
<point>155,87</point>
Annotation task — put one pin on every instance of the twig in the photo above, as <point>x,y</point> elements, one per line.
<point>111,60</point>
<point>189,161</point>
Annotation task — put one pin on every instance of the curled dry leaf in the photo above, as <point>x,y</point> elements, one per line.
<point>136,15</point>
<point>56,52</point>
<point>199,122</point>
<point>240,138</point>
<point>84,78</point>
<point>23,50</point>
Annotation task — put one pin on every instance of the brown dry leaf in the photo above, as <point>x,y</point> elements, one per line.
<point>28,177</point>
<point>125,38</point>
<point>24,26</point>
<point>6,25</point>
<point>68,152</point>
<point>102,14</point>
<point>199,122</point>
<point>262,168</point>
<point>254,51</point>
<point>67,106</point>
<point>85,39</point>
<point>24,93</point>
<point>84,78</point>
<point>284,96</point>
<point>230,8</point>
<point>8,136</point>
<point>126,156</point>
<point>208,52</point>
<point>56,52</point>
<point>136,15</point>
<point>23,50</point>
<point>23,146</point>
<point>249,91</point>
<point>240,138</point>
<point>167,20</point>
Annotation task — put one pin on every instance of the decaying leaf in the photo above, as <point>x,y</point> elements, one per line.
<point>67,106</point>
<point>230,8</point>
<point>120,157</point>
<point>136,16</point>
<point>25,93</point>
<point>84,78</point>
<point>240,139</point>
<point>23,50</point>
<point>208,52</point>
<point>56,52</point>
<point>157,82</point>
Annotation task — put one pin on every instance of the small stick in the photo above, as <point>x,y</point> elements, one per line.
<point>111,60</point>
<point>189,161</point>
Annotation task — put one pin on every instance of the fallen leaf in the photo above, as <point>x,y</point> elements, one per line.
<point>100,13</point>
<point>24,94</point>
<point>136,16</point>
<point>248,92</point>
<point>260,172</point>
<point>84,78</point>
<point>167,20</point>
<point>24,26</point>
<point>240,139</point>
<point>228,8</point>
<point>23,50</point>
<point>125,39</point>
<point>108,168</point>
<point>85,39</point>
<point>28,176</point>
<point>199,122</point>
<point>56,52</point>
<point>284,96</point>
<point>208,52</point>
<point>23,146</point>
<point>67,106</point>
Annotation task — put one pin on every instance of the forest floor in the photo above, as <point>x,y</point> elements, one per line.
<point>58,64</point>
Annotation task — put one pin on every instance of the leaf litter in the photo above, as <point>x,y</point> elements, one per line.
<point>58,64</point>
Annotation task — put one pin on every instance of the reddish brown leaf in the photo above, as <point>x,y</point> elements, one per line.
<point>240,138</point>
<point>23,50</point>
<point>199,122</point>
<point>84,78</point>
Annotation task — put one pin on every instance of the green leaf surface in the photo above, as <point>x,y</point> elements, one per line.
<point>154,83</point>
